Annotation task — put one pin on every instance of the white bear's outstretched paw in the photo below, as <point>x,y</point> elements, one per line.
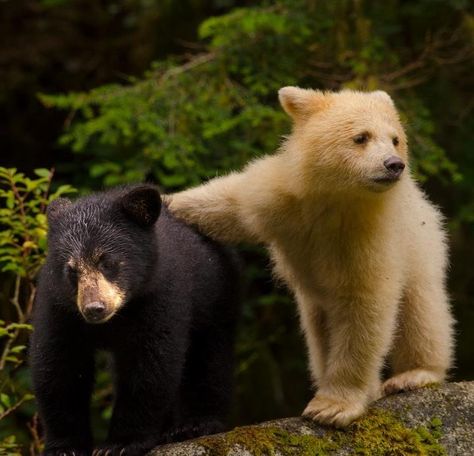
<point>411,380</point>
<point>333,411</point>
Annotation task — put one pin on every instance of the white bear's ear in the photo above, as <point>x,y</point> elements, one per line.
<point>301,103</point>
<point>382,95</point>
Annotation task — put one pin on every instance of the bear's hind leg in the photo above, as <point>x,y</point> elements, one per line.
<point>422,352</point>
<point>207,384</point>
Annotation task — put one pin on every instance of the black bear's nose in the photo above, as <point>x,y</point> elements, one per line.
<point>395,165</point>
<point>94,311</point>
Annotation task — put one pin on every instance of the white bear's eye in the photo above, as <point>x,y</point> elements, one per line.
<point>362,138</point>
<point>395,141</point>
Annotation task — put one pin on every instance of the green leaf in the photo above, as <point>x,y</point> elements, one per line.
<point>42,172</point>
<point>13,359</point>
<point>18,349</point>
<point>10,202</point>
<point>41,219</point>
<point>5,399</point>
<point>19,326</point>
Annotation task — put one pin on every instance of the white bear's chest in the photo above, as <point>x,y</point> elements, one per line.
<point>334,261</point>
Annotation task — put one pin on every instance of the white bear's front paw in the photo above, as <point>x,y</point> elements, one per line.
<point>334,411</point>
<point>411,380</point>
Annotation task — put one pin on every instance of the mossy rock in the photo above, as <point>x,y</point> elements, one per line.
<point>430,421</point>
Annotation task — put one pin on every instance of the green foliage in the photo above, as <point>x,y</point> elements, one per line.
<point>186,121</point>
<point>23,221</point>
<point>168,125</point>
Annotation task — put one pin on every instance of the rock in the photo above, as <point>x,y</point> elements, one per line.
<point>437,420</point>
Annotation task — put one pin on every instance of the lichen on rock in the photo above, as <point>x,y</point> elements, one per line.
<point>427,422</point>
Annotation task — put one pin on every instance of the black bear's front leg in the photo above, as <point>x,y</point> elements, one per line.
<point>62,369</point>
<point>148,378</point>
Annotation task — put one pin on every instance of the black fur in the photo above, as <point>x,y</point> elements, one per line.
<point>172,343</point>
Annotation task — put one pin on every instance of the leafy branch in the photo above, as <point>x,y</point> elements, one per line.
<point>23,224</point>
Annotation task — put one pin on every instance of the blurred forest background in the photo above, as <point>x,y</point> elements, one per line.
<point>176,92</point>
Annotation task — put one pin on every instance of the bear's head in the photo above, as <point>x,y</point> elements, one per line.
<point>345,141</point>
<point>102,248</point>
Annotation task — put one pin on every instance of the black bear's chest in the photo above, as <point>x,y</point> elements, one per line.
<point>125,330</point>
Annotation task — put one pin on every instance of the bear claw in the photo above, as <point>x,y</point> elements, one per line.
<point>410,380</point>
<point>65,452</point>
<point>333,411</point>
<point>119,451</point>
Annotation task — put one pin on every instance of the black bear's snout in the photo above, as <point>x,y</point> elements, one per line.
<point>94,311</point>
<point>395,165</point>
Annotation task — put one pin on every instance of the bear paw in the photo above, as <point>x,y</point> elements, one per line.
<point>114,450</point>
<point>118,450</point>
<point>333,411</point>
<point>66,452</point>
<point>139,448</point>
<point>194,429</point>
<point>411,380</point>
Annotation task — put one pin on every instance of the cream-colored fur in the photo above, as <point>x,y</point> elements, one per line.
<point>366,260</point>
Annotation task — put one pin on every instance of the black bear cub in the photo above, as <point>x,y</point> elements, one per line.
<point>125,276</point>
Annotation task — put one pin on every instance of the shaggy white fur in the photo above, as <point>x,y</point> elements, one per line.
<point>361,247</point>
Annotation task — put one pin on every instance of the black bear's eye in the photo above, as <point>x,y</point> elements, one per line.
<point>71,273</point>
<point>395,141</point>
<point>108,264</point>
<point>363,138</point>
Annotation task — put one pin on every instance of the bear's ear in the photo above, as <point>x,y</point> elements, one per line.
<point>56,208</point>
<point>301,103</point>
<point>382,95</point>
<point>142,204</point>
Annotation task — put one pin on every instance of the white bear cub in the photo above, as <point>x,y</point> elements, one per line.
<point>355,239</point>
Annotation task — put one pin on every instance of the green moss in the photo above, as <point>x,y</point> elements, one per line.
<point>379,433</point>
<point>382,433</point>
<point>436,422</point>
<point>265,441</point>
<point>433,386</point>
<point>430,436</point>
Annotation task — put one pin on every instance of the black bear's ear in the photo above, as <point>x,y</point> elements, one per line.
<point>56,208</point>
<point>142,204</point>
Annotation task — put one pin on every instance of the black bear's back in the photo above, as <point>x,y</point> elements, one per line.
<point>190,259</point>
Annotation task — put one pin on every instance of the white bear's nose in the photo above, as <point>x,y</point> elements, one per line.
<point>395,165</point>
